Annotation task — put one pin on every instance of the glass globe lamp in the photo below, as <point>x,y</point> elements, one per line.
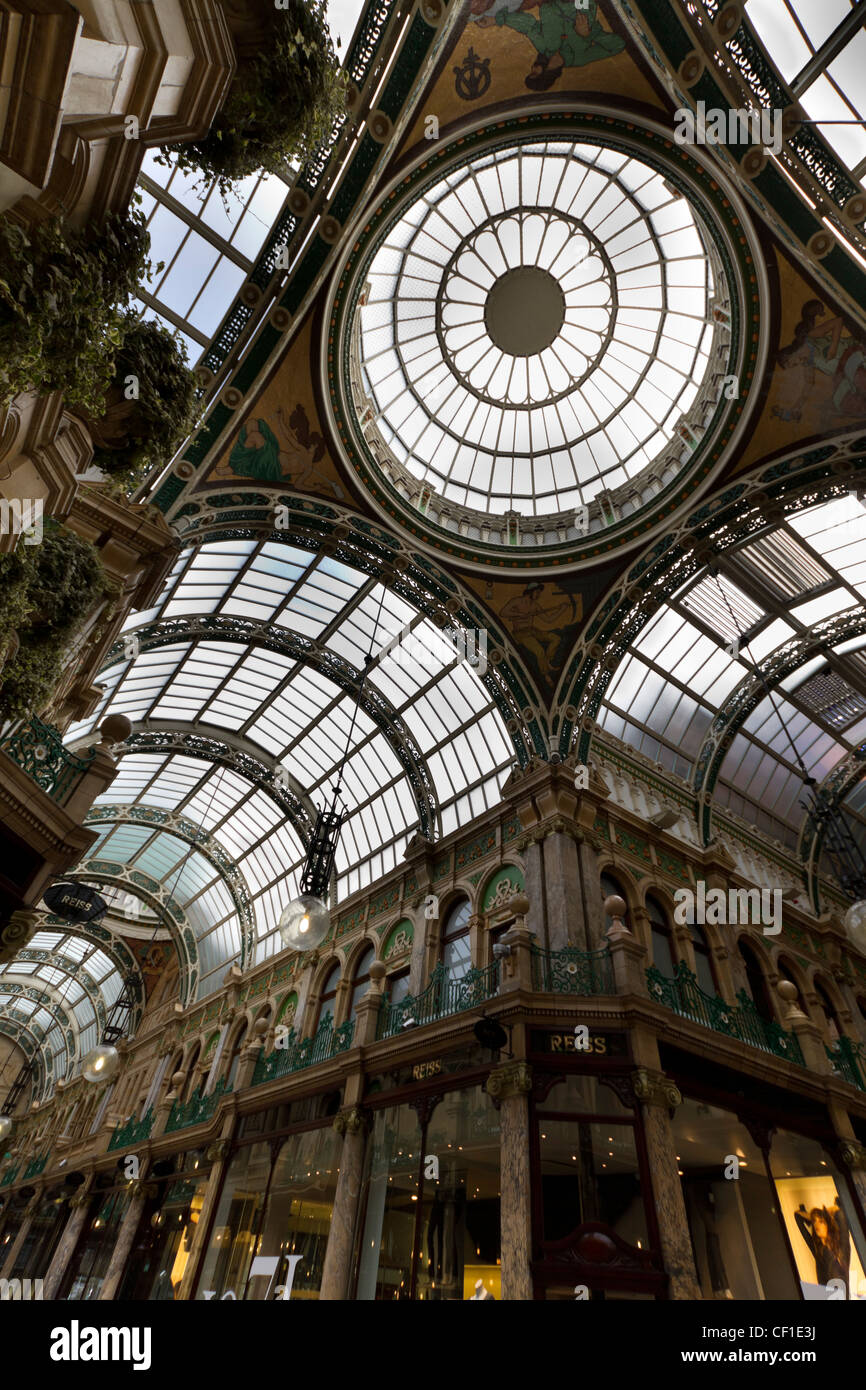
<point>6,1126</point>
<point>304,923</point>
<point>102,1063</point>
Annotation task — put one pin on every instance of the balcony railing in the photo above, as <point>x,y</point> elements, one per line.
<point>685,997</point>
<point>443,996</point>
<point>9,1176</point>
<point>297,1053</point>
<point>197,1110</point>
<point>133,1131</point>
<point>38,749</point>
<point>571,971</point>
<point>848,1060</point>
<point>35,1167</point>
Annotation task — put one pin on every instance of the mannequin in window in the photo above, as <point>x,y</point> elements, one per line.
<point>827,1236</point>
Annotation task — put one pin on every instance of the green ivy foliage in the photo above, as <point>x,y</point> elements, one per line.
<point>158,421</point>
<point>46,592</point>
<point>281,106</point>
<point>63,293</point>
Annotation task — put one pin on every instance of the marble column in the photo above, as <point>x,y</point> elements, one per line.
<point>658,1096</point>
<point>353,1125</point>
<point>566,925</point>
<point>140,1191</point>
<point>853,1156</point>
<point>15,1247</point>
<point>217,1154</point>
<point>509,1087</point>
<point>78,1208</point>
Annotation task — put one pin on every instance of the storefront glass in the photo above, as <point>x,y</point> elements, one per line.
<point>163,1242</point>
<point>290,1250</point>
<point>431,1202</point>
<point>820,1219</point>
<point>233,1235</point>
<point>89,1264</point>
<point>41,1240</point>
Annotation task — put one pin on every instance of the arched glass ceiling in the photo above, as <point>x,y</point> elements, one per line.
<point>681,670</point>
<point>535,326</point>
<point>208,244</point>
<point>819,48</point>
<point>285,712</point>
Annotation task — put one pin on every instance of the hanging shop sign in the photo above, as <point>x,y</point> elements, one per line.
<point>75,901</point>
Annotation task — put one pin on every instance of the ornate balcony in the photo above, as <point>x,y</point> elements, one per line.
<point>442,997</point>
<point>197,1110</point>
<point>685,997</point>
<point>38,749</point>
<point>571,971</point>
<point>132,1131</point>
<point>305,1052</point>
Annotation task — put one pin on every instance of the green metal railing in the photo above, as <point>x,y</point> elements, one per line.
<point>571,971</point>
<point>297,1053</point>
<point>197,1109</point>
<point>848,1060</point>
<point>35,1167</point>
<point>9,1176</point>
<point>442,997</point>
<point>38,749</point>
<point>685,997</point>
<point>132,1131</point>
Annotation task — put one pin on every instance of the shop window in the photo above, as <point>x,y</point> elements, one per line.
<point>819,1216</point>
<point>831,1018</point>
<point>226,1264</point>
<point>163,1242</point>
<point>756,984</point>
<point>290,1248</point>
<point>661,938</point>
<point>430,1227</point>
<point>455,948</point>
<point>361,983</point>
<point>328,996</point>
<point>704,968</point>
<point>88,1267</point>
<point>42,1239</point>
<point>737,1236</point>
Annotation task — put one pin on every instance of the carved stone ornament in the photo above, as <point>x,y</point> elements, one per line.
<point>354,1121</point>
<point>511,1079</point>
<point>80,1199</point>
<point>217,1151</point>
<point>140,1188</point>
<point>853,1154</point>
<point>654,1088</point>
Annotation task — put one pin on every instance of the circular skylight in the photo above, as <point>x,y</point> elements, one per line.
<point>534,327</point>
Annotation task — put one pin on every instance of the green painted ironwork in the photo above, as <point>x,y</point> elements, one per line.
<point>571,971</point>
<point>297,1053</point>
<point>132,1131</point>
<point>197,1110</point>
<point>442,997</point>
<point>38,749</point>
<point>35,1167</point>
<point>848,1060</point>
<point>685,997</point>
<point>9,1176</point>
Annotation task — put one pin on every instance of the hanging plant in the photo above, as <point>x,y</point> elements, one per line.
<point>281,105</point>
<point>46,592</point>
<point>151,404</point>
<point>63,296</point>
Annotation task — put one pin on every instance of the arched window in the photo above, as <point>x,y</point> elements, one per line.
<point>328,996</point>
<point>191,1078</point>
<point>455,948</point>
<point>361,982</point>
<point>704,965</point>
<point>661,937</point>
<point>834,1027</point>
<point>397,985</point>
<point>756,985</point>
<point>234,1057</point>
<point>610,887</point>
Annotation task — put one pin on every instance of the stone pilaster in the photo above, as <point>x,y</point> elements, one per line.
<point>658,1096</point>
<point>509,1087</point>
<point>218,1156</point>
<point>853,1155</point>
<point>78,1208</point>
<point>15,1247</point>
<point>140,1191</point>
<point>353,1125</point>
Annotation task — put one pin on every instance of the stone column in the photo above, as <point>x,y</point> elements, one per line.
<point>509,1087</point>
<point>853,1155</point>
<point>566,925</point>
<point>808,1034</point>
<point>217,1154</point>
<point>628,956</point>
<point>658,1096</point>
<point>367,1012</point>
<point>15,1247</point>
<point>533,874</point>
<point>140,1191</point>
<point>78,1208</point>
<point>353,1125</point>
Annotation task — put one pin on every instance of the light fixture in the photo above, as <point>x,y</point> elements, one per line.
<point>7,1124</point>
<point>102,1063</point>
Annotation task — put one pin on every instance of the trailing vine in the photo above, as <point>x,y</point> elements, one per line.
<point>281,105</point>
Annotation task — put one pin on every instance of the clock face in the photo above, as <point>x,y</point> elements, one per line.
<point>534,340</point>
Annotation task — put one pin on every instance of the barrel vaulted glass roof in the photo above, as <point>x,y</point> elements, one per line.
<point>285,709</point>
<point>809,573</point>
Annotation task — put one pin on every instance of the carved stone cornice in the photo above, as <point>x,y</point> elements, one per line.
<point>654,1088</point>
<point>355,1120</point>
<point>853,1155</point>
<point>511,1079</point>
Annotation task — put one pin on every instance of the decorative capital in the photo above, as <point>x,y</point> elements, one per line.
<point>217,1151</point>
<point>511,1079</point>
<point>853,1154</point>
<point>140,1188</point>
<point>80,1199</point>
<point>654,1088</point>
<point>352,1121</point>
